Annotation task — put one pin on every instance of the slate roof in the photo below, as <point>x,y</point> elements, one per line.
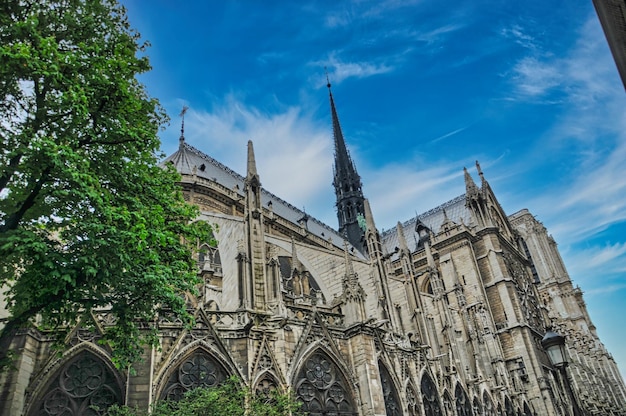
<point>433,219</point>
<point>188,160</point>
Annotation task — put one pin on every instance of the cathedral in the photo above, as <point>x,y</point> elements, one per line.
<point>450,313</point>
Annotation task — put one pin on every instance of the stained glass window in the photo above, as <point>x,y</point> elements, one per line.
<point>488,403</point>
<point>84,386</point>
<point>463,405</point>
<point>198,370</point>
<point>322,389</point>
<point>430,397</point>
<point>392,402</point>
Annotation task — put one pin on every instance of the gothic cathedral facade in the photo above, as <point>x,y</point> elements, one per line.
<point>443,315</point>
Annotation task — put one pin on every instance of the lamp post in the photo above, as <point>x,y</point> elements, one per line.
<point>554,345</point>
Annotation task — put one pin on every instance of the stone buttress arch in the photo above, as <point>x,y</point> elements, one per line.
<point>83,381</point>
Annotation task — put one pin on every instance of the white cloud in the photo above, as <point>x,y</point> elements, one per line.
<point>293,153</point>
<point>581,207</point>
<point>339,70</point>
<point>610,258</point>
<point>438,33</point>
<point>516,32</point>
<point>535,77</point>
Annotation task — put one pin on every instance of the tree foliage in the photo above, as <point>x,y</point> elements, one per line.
<point>228,399</point>
<point>88,220</point>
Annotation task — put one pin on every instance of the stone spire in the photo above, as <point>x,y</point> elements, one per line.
<point>404,247</point>
<point>254,293</point>
<point>251,166</point>
<point>369,218</point>
<point>484,185</point>
<point>295,262</point>
<point>470,187</point>
<point>181,139</point>
<point>348,187</point>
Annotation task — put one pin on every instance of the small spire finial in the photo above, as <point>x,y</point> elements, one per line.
<point>182,124</point>
<point>327,80</point>
<point>480,172</point>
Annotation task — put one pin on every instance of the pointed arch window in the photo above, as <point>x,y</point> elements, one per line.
<point>411,398</point>
<point>266,385</point>
<point>209,259</point>
<point>463,405</point>
<point>197,370</point>
<point>393,405</point>
<point>85,385</point>
<point>489,409</point>
<point>448,404</point>
<point>322,389</point>
<point>430,397</point>
<point>508,407</point>
<point>478,409</point>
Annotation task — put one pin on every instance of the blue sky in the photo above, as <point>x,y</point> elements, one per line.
<point>422,88</point>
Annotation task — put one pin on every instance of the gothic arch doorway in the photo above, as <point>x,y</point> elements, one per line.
<point>198,369</point>
<point>85,385</point>
<point>323,389</point>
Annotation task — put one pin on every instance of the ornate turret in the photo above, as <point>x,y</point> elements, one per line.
<point>347,183</point>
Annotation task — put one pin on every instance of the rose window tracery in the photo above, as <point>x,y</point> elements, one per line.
<point>198,370</point>
<point>322,389</point>
<point>430,397</point>
<point>84,386</point>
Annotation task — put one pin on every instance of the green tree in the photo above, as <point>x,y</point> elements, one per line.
<point>228,399</point>
<point>88,219</point>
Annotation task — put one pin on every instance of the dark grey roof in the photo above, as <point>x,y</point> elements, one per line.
<point>433,219</point>
<point>188,160</point>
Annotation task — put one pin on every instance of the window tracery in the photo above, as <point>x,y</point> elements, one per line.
<point>198,370</point>
<point>508,407</point>
<point>411,398</point>
<point>322,389</point>
<point>392,402</point>
<point>489,409</point>
<point>84,386</point>
<point>430,397</point>
<point>266,385</point>
<point>463,405</point>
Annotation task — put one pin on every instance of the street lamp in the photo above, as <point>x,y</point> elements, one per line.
<point>554,345</point>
